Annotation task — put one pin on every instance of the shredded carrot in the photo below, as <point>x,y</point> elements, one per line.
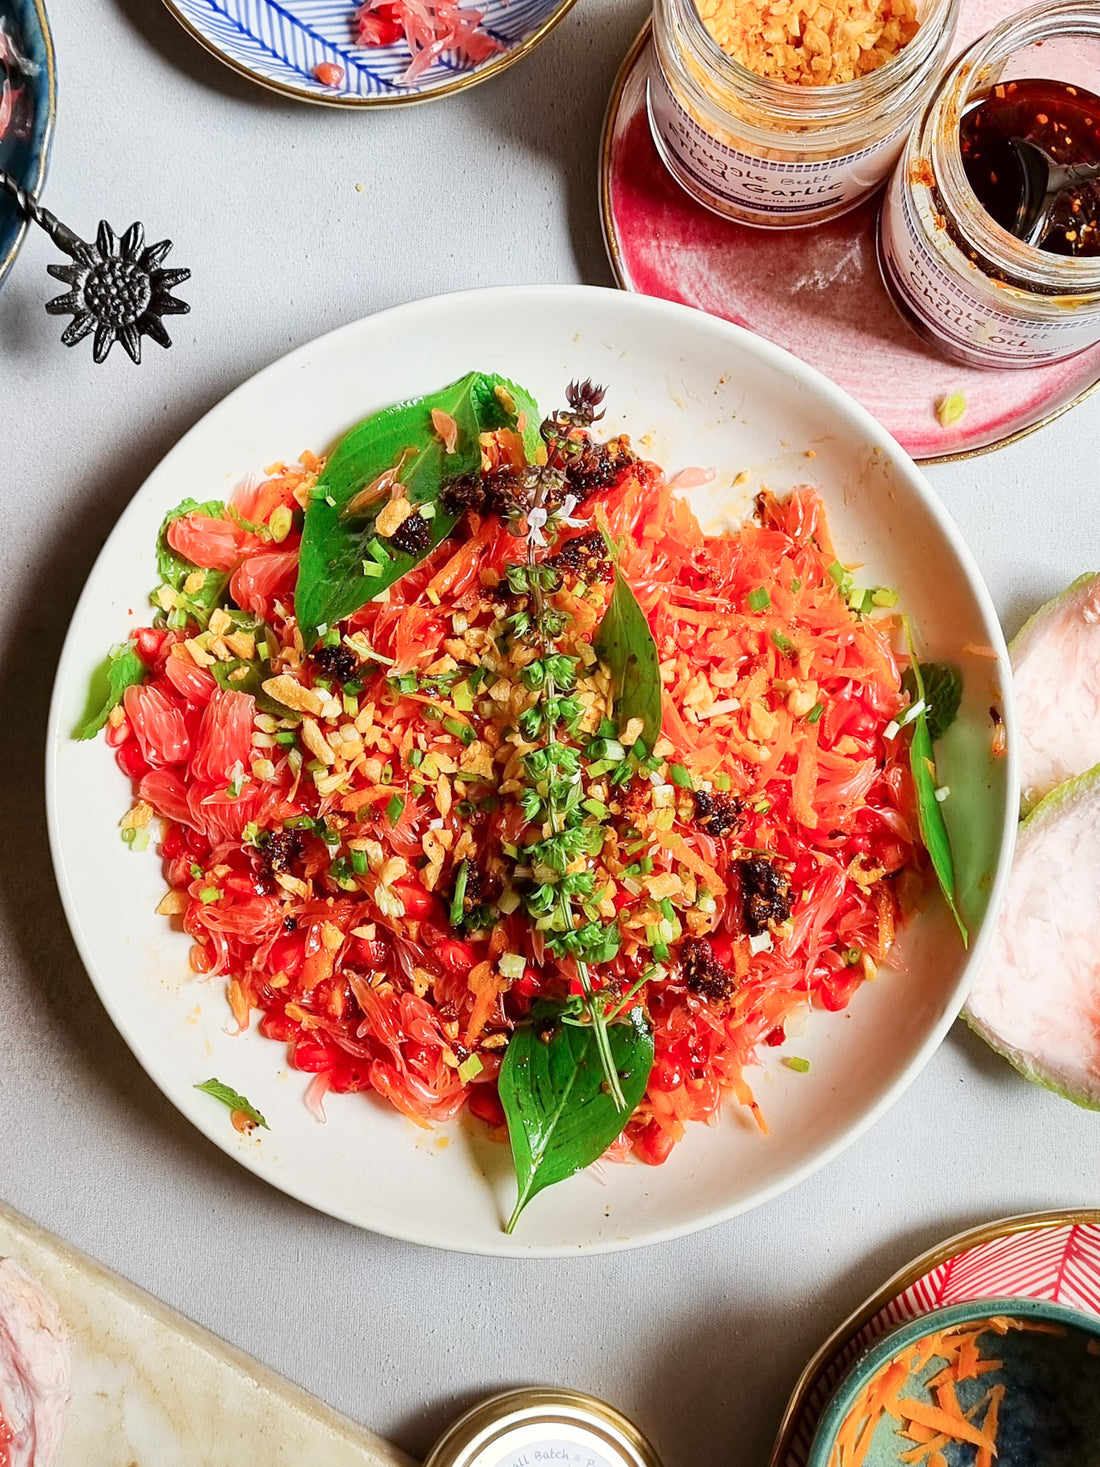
<point>969,1359</point>
<point>931,1427</point>
<point>486,986</point>
<point>957,1428</point>
<point>776,698</point>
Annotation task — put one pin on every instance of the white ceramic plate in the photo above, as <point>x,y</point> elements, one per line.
<point>694,391</point>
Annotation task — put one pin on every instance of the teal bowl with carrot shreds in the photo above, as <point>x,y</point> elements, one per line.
<point>989,1383</point>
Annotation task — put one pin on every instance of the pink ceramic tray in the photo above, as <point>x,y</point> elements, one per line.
<point>1047,1255</point>
<point>815,291</point>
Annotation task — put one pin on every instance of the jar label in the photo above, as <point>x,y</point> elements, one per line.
<point>763,189</point>
<point>950,311</point>
<point>548,1453</point>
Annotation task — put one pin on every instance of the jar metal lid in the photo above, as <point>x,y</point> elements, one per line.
<point>542,1426</point>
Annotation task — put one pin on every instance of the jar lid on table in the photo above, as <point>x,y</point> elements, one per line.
<point>542,1427</point>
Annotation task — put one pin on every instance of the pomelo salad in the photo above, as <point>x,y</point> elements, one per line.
<point>488,781</point>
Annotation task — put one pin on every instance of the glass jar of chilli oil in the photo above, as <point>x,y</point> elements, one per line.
<point>978,274</point>
<point>770,151</point>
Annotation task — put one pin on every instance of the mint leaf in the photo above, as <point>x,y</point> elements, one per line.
<point>122,669</point>
<point>229,1097</point>
<point>174,568</point>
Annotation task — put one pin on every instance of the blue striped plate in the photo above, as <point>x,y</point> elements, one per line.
<point>279,43</point>
<point>25,146</point>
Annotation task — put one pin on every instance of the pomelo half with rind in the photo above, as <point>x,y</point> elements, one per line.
<point>1056,673</point>
<point>1036,998</point>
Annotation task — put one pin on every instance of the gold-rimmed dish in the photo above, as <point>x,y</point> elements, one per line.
<point>816,292</point>
<point>1051,1256</point>
<point>305,49</point>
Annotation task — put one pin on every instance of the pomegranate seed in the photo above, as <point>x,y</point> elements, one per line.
<point>201,961</point>
<point>485,1103</point>
<point>116,734</point>
<point>131,760</point>
<point>456,955</point>
<point>417,901</point>
<point>654,1145</point>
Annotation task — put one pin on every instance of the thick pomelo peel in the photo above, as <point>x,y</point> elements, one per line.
<point>1056,674</point>
<point>1036,999</point>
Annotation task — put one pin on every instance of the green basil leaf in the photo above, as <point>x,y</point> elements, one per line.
<point>331,581</point>
<point>933,827</point>
<point>625,642</point>
<point>174,568</point>
<point>234,1101</point>
<point>122,669</point>
<point>560,1116</point>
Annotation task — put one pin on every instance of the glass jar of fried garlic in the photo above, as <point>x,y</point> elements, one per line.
<point>784,113</point>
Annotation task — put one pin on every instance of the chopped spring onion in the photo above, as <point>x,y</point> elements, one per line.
<point>950,408</point>
<point>759,600</point>
<point>841,577</point>
<point>913,711</point>
<point>680,776</point>
<point>469,1069</point>
<point>209,894</point>
<point>794,1062</point>
<point>783,643</point>
<point>459,898</point>
<point>395,809</point>
<point>359,863</point>
<point>814,715</point>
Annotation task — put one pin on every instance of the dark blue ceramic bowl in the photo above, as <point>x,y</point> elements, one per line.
<point>1050,1415</point>
<point>25,147</point>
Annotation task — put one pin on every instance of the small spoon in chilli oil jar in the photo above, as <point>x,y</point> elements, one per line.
<point>1031,152</point>
<point>1004,148</point>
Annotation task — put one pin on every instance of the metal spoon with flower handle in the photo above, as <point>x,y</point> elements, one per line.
<point>117,288</point>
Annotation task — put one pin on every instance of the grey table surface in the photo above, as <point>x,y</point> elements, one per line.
<point>701,1339</point>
